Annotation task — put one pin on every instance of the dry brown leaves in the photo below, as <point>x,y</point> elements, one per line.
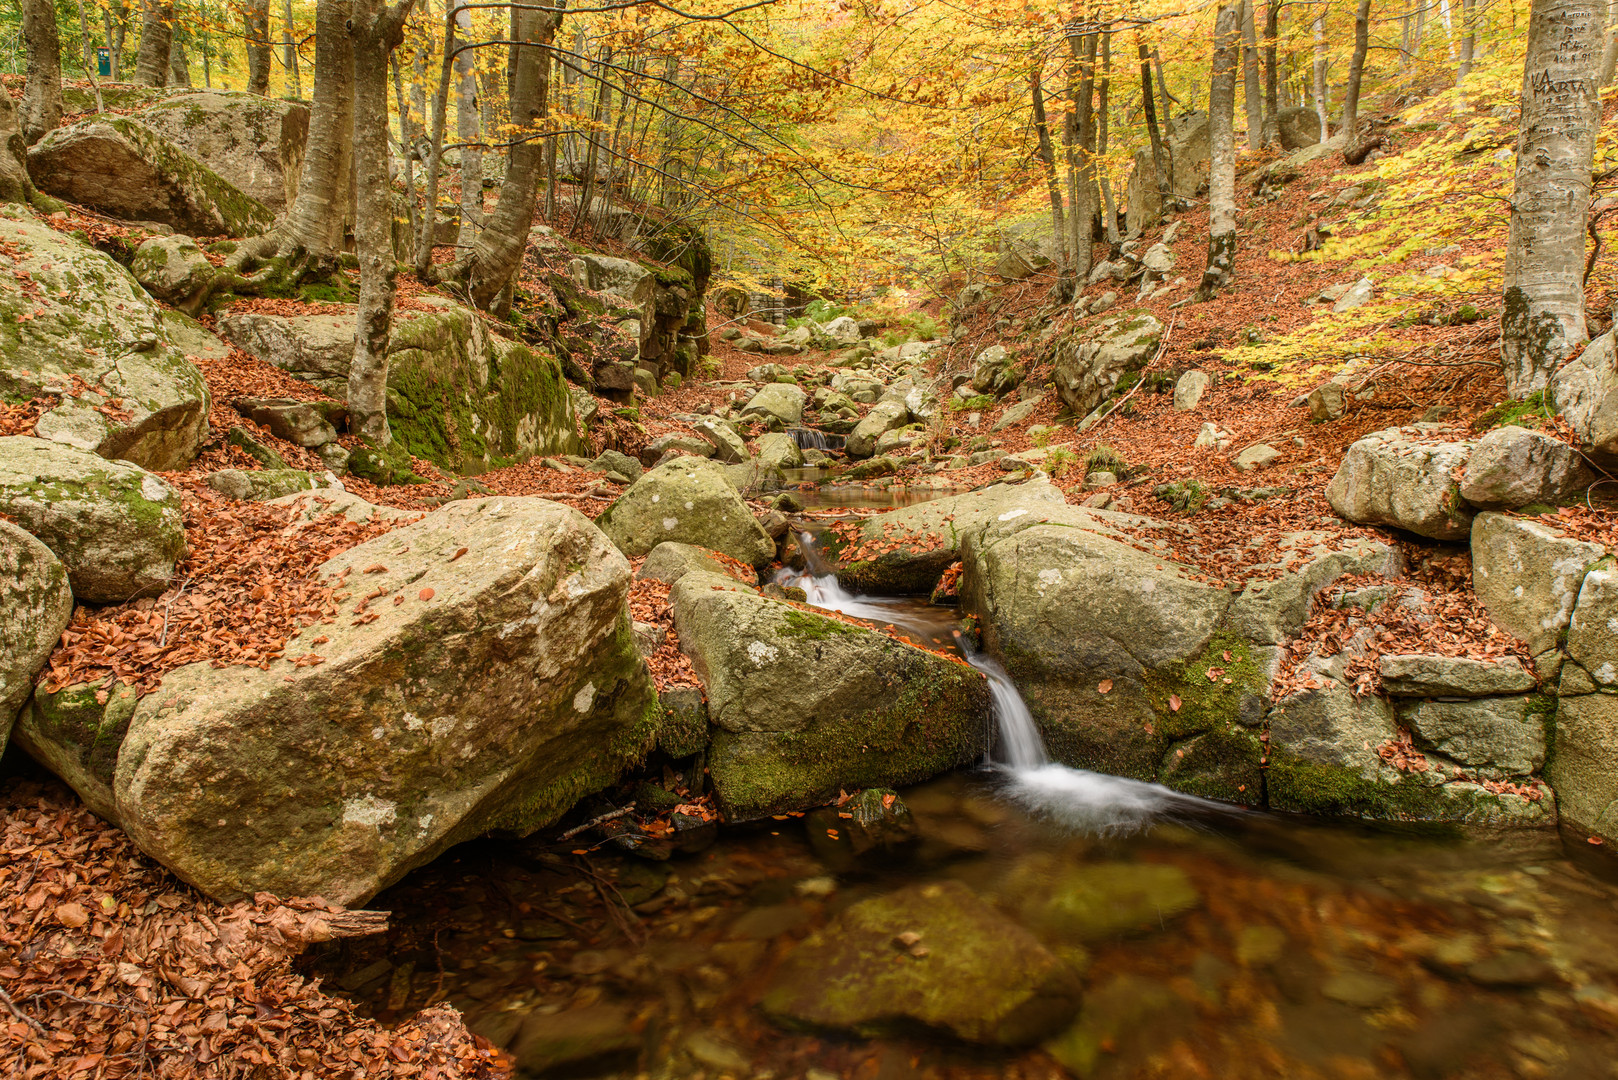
<point>19,419</point>
<point>670,668</point>
<point>112,968</point>
<point>248,583</point>
<point>891,538</point>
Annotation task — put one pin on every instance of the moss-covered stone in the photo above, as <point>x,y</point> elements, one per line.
<point>35,606</point>
<point>76,732</point>
<point>1222,764</point>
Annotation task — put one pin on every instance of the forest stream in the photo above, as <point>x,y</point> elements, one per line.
<point>1210,941</point>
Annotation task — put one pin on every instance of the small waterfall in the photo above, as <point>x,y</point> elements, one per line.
<point>1079,799</point>
<point>810,439</point>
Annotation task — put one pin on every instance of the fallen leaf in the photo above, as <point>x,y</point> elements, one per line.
<point>1104,687</point>
<point>71,915</point>
<point>1174,702</point>
<point>457,555</point>
<point>426,594</point>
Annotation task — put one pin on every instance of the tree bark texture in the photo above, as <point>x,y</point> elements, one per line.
<point>1047,157</point>
<point>1084,207</point>
<point>179,69</point>
<point>497,252</point>
<point>1272,77</point>
<point>41,107</point>
<point>256,24</point>
<point>466,128</point>
<point>1222,152</point>
<point>1322,107</point>
<point>377,30</point>
<point>1252,92</point>
<point>321,212</point>
<point>156,35</point>
<point>1154,133</point>
<point>1356,71</point>
<point>289,48</point>
<point>1542,320</point>
<point>1609,54</point>
<point>1109,212</point>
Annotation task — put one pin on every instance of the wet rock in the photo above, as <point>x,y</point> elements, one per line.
<point>1126,1005</point>
<point>522,673</point>
<point>1189,389</point>
<point>594,1035</point>
<point>1592,633</point>
<point>87,323</point>
<point>1430,675</point>
<point>779,401</point>
<point>883,418</point>
<point>1528,576</point>
<point>263,485</point>
<point>1097,901</point>
<point>873,469</point>
<point>116,528</point>
<point>874,827</point>
<point>684,730</point>
<point>970,972</point>
<point>1584,766</point>
<point>1403,478</point>
<point>1512,467</point>
<point>804,704</point>
<point>1585,392</point>
<point>1222,764</point>
<point>35,606</point>
<point>690,501</point>
<point>1092,360</point>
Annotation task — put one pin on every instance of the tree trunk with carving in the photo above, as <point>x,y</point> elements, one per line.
<point>1222,152</point>
<point>377,29</point>
<point>156,35</point>
<point>1542,320</point>
<point>41,107</point>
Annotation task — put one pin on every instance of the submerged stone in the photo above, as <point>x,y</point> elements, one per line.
<point>1091,902</point>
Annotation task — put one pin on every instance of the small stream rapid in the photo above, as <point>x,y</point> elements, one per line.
<point>1076,798</point>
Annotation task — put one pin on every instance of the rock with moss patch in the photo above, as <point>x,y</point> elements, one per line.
<point>728,447</point>
<point>1585,393</point>
<point>502,689</point>
<point>1405,478</point>
<point>804,704</point>
<point>1512,466</point>
<point>1068,902</point>
<point>779,401</point>
<point>262,485</point>
<point>777,451</point>
<point>15,187</point>
<point>670,561</point>
<point>86,333</point>
<point>173,269</point>
<point>1091,360</point>
<point>116,527</point>
<point>35,606</point>
<point>883,418</point>
<point>255,143</point>
<point>873,469</point>
<point>686,500</point>
<point>970,972</point>
<point>125,169</point>
<point>1528,576</point>
<point>1099,636</point>
<point>75,732</point>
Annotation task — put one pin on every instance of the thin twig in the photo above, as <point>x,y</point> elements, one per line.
<point>609,816</point>
<point>5,999</point>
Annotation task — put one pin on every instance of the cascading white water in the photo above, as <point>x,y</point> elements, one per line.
<point>1077,798</point>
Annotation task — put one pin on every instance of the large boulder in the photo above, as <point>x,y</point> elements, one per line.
<point>885,417</point>
<point>173,269</point>
<point>1528,576</point>
<point>1585,392</point>
<point>1592,633</point>
<point>116,527</point>
<point>254,143</point>
<point>620,278</point>
<point>687,500</point>
<point>1093,358</point>
<point>1299,126</point>
<point>1187,156</point>
<point>503,688</point>
<point>972,974</point>
<point>778,451</point>
<point>1584,765</point>
<point>1513,466</point>
<point>458,396</point>
<point>76,326</point>
<point>35,606</point>
<point>1101,638</point>
<point>994,373</point>
<point>805,704</point>
<point>778,401</point>
<point>15,187</point>
<point>1404,477</point>
<point>120,167</point>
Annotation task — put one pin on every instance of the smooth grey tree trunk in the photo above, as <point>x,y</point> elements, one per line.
<point>1356,72</point>
<point>1109,211</point>
<point>289,48</point>
<point>1136,215</point>
<point>1252,91</point>
<point>1222,152</point>
<point>40,110</point>
<point>156,35</point>
<point>1322,107</point>
<point>321,213</point>
<point>179,70</point>
<point>117,19</point>
<point>1272,76</point>
<point>1609,54</point>
<point>376,30</point>
<point>1047,157</point>
<point>1542,320</point>
<point>466,128</point>
<point>256,25</point>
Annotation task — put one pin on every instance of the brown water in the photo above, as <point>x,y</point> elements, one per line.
<point>853,496</point>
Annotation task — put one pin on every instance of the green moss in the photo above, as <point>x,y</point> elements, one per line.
<point>1529,412</point>
<point>387,466</point>
<point>1187,496</point>
<point>73,717</point>
<point>1222,764</point>
<point>1331,791</point>
<point>801,624</point>
<point>1205,704</point>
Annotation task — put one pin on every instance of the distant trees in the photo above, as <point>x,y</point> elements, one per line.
<point>1222,151</point>
<point>41,107</point>
<point>1543,316</point>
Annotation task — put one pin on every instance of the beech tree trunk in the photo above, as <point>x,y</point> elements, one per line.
<point>1222,152</point>
<point>1047,156</point>
<point>376,30</point>
<point>41,107</point>
<point>1272,78</point>
<point>323,209</point>
<point>117,19</point>
<point>156,35</point>
<point>1252,93</point>
<point>1085,207</point>
<point>289,48</point>
<point>497,252</point>
<point>466,128</point>
<point>1542,320</point>
<point>1322,108</point>
<point>1109,212</point>
<point>256,24</point>
<point>1155,134</point>
<point>1356,71</point>
<point>179,70</point>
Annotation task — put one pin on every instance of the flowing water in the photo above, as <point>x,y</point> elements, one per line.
<point>1211,942</point>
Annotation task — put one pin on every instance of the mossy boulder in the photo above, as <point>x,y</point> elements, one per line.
<point>254,143</point>
<point>1092,360</point>
<point>778,401</point>
<point>75,732</point>
<point>35,606</point>
<point>971,974</point>
<point>1084,903</point>
<point>501,690</point>
<point>77,328</point>
<point>804,704</point>
<point>173,269</point>
<point>262,485</point>
<point>689,501</point>
<point>125,169</point>
<point>116,527</point>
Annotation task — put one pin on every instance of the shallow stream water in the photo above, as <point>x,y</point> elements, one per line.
<point>1211,942</point>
